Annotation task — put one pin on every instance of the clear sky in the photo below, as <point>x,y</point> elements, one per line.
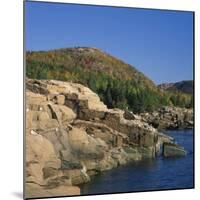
<point>157,43</point>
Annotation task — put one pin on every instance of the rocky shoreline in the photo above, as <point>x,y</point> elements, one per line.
<point>71,135</point>
<point>170,118</point>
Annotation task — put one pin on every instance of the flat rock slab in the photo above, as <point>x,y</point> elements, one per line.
<point>173,150</point>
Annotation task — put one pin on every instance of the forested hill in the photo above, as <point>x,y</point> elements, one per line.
<point>182,86</point>
<point>90,59</point>
<point>117,83</point>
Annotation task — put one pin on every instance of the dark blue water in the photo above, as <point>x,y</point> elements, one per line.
<point>154,174</point>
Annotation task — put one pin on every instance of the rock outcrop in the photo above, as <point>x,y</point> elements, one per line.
<point>71,135</point>
<point>171,118</point>
<point>171,150</point>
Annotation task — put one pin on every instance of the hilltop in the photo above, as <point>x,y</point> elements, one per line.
<point>181,86</point>
<point>91,59</point>
<point>117,83</point>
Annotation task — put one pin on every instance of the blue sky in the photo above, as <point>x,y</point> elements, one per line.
<point>157,43</point>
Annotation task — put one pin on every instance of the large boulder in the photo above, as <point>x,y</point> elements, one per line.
<point>63,114</point>
<point>40,154</point>
<point>35,98</point>
<point>71,91</point>
<point>173,150</point>
<point>140,134</point>
<point>112,137</point>
<point>85,146</point>
<point>77,176</point>
<point>43,175</point>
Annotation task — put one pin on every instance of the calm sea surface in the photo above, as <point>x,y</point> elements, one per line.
<point>154,174</point>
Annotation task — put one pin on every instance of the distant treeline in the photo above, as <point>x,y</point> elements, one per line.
<point>114,92</point>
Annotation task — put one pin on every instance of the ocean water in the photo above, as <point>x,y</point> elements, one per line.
<point>153,174</point>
